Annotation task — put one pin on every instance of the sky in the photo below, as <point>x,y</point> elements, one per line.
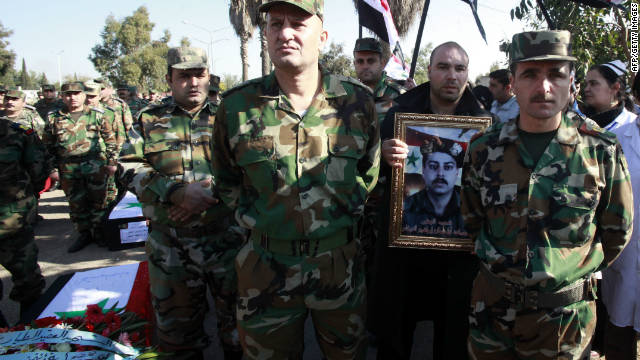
<point>48,33</point>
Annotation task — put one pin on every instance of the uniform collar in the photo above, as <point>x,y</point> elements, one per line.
<point>567,131</point>
<point>331,86</point>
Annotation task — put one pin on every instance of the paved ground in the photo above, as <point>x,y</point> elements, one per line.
<point>55,234</point>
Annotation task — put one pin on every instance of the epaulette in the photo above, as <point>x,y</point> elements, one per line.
<point>22,128</point>
<point>243,85</point>
<point>97,110</point>
<point>27,106</point>
<point>109,108</point>
<point>119,100</point>
<point>590,127</point>
<point>152,107</point>
<point>353,81</point>
<point>393,83</point>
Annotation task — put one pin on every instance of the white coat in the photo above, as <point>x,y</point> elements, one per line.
<point>625,117</point>
<point>621,281</point>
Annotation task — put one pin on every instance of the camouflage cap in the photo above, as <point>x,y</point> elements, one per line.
<point>72,87</point>
<point>92,88</point>
<point>15,94</point>
<point>103,82</point>
<point>48,87</point>
<point>450,147</point>
<point>214,83</point>
<point>368,44</point>
<point>122,86</point>
<point>187,58</point>
<point>313,7</point>
<point>541,45</point>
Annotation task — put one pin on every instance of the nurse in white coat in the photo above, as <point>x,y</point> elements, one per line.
<point>621,280</point>
<point>605,97</point>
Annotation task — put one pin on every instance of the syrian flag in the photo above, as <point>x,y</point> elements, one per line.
<point>375,15</point>
<point>474,9</point>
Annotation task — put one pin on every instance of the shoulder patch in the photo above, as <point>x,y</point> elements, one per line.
<point>589,127</point>
<point>242,85</point>
<point>22,128</point>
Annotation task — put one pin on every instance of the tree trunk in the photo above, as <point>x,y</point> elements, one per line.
<point>264,53</point>
<point>244,55</point>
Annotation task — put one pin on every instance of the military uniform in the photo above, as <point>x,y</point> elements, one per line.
<point>44,107</point>
<point>419,217</point>
<point>29,118</point>
<point>542,229</point>
<point>299,183</point>
<point>172,150</point>
<point>25,167</point>
<point>82,148</point>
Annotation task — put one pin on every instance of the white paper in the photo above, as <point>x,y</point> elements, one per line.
<point>128,207</point>
<point>135,232</point>
<point>90,287</point>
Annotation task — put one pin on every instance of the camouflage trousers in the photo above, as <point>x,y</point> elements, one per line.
<point>180,269</point>
<point>19,255</point>
<point>276,293</point>
<point>501,332</point>
<point>85,185</point>
<point>112,190</point>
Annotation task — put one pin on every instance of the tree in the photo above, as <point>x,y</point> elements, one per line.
<point>229,81</point>
<point>421,75</point>
<point>128,54</point>
<point>24,79</point>
<point>7,58</point>
<point>598,35</point>
<point>242,20</point>
<point>185,42</point>
<point>335,61</point>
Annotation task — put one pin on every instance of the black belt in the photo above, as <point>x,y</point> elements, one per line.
<point>193,232</point>
<point>525,297</point>
<point>300,247</point>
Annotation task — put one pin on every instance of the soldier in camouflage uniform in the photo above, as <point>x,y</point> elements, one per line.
<point>214,89</point>
<point>547,199</point>
<point>120,107</point>
<point>49,102</point>
<point>25,167</point>
<point>133,101</point>
<point>18,111</point>
<point>296,154</point>
<point>92,92</point>
<point>193,240</point>
<point>84,143</point>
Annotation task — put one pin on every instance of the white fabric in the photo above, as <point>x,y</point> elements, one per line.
<point>621,281</point>
<point>625,117</point>
<point>507,111</point>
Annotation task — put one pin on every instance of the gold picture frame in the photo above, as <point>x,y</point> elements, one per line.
<point>424,187</point>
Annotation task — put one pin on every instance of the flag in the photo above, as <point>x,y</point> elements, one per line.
<point>375,15</point>
<point>474,9</point>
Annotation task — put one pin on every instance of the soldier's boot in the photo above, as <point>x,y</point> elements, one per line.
<point>81,242</point>
<point>3,321</point>
<point>24,309</point>
<point>98,237</point>
<point>232,355</point>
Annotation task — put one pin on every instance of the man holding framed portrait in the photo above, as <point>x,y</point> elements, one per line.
<point>412,285</point>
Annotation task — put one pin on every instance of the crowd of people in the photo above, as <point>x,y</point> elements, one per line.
<point>276,197</point>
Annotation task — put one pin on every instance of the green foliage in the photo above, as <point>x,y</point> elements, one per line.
<point>7,58</point>
<point>598,35</point>
<point>185,42</point>
<point>24,78</point>
<point>421,75</point>
<point>335,61</point>
<point>127,53</point>
<point>229,81</point>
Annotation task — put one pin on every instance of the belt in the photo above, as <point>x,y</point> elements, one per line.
<point>193,232</point>
<point>299,247</point>
<point>524,297</point>
<point>80,158</point>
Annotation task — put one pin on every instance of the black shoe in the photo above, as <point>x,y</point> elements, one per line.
<point>81,242</point>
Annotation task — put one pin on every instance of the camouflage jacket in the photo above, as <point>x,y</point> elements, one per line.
<point>44,107</point>
<point>419,217</point>
<point>91,135</point>
<point>173,147</point>
<point>29,118</point>
<point>121,111</point>
<point>135,105</point>
<point>291,176</point>
<point>554,222</point>
<point>116,122</point>
<point>384,93</point>
<point>25,166</point>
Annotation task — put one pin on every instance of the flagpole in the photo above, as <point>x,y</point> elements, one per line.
<point>416,49</point>
<point>360,32</point>
<point>550,23</point>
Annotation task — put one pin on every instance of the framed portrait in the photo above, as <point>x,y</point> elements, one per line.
<point>425,192</point>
